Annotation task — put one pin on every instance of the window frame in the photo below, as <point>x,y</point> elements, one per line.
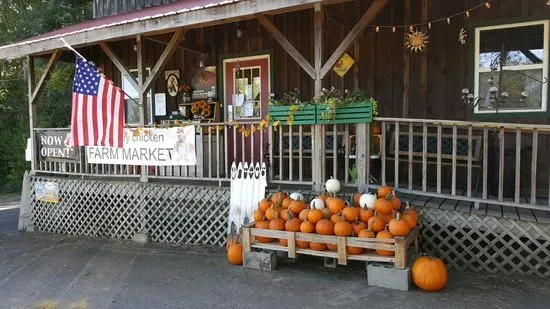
<point>544,66</point>
<point>150,103</point>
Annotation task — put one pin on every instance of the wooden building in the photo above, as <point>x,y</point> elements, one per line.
<point>474,166</point>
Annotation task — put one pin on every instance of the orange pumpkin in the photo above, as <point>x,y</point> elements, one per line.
<point>303,214</point>
<point>277,224</point>
<point>293,224</point>
<point>286,202</point>
<point>410,219</point>
<point>358,226</point>
<point>337,217</point>
<point>354,250</point>
<point>384,191</point>
<point>265,204</point>
<point>350,213</point>
<point>326,212</point>
<point>271,212</point>
<point>296,207</point>
<point>429,274</point>
<point>365,214</point>
<point>335,204</point>
<point>317,246</point>
<point>315,215</point>
<point>376,224</point>
<point>302,244</point>
<point>278,197</point>
<point>376,130</point>
<point>307,227</point>
<point>283,242</point>
<point>324,227</point>
<point>396,202</point>
<point>384,205</point>
<point>324,197</point>
<point>332,247</point>
<point>235,254</point>
<point>399,227</point>
<point>356,198</point>
<point>283,214</point>
<point>366,233</point>
<point>343,228</point>
<point>384,235</point>
<point>263,225</point>
<point>258,215</point>
<point>386,218</point>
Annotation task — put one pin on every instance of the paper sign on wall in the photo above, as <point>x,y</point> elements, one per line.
<point>160,104</point>
<point>47,191</point>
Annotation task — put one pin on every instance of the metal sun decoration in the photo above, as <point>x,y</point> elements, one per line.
<point>416,40</point>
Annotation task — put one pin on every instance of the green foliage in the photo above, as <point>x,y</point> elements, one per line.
<point>20,20</point>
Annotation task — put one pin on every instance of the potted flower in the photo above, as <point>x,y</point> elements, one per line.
<point>351,107</point>
<point>291,110</point>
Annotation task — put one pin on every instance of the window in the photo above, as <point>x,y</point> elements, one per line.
<point>248,84</point>
<point>511,68</point>
<point>132,103</point>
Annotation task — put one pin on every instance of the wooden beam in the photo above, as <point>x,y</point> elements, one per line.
<point>406,64</point>
<point>163,59</point>
<point>287,46</point>
<point>120,66</point>
<point>179,46</point>
<point>365,20</point>
<point>142,97</point>
<point>32,110</point>
<point>318,151</point>
<point>45,76</point>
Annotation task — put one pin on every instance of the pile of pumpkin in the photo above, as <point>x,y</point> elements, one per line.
<point>367,216</point>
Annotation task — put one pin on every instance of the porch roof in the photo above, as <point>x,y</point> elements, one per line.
<point>185,13</point>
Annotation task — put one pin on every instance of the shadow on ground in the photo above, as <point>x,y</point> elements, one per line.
<point>52,271</point>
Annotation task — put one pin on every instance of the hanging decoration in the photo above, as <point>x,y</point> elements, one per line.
<point>343,65</point>
<point>462,35</point>
<point>416,40</point>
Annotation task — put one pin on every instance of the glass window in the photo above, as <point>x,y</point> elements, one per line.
<point>248,83</point>
<point>511,71</point>
<point>132,101</point>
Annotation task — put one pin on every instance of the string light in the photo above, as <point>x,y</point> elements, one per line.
<point>468,14</point>
<point>448,20</point>
<point>429,25</point>
<point>488,5</point>
<point>411,29</point>
<point>377,29</point>
<point>394,29</point>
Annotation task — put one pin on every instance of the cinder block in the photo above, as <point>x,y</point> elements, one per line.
<point>386,276</point>
<point>266,261</point>
<point>330,262</point>
<point>141,238</point>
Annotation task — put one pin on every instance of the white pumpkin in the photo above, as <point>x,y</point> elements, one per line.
<point>317,203</point>
<point>297,196</point>
<point>332,185</point>
<point>367,200</point>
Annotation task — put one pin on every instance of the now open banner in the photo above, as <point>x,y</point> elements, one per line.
<point>154,147</point>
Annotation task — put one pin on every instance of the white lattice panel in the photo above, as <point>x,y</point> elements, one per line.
<point>170,213</point>
<point>485,243</point>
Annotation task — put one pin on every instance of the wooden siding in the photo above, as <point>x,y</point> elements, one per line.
<point>104,8</point>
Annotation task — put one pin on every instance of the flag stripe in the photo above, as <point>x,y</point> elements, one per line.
<point>74,138</point>
<point>79,121</point>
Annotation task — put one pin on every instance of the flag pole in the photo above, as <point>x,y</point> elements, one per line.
<point>79,55</point>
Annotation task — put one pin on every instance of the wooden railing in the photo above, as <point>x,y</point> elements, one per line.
<point>480,162</point>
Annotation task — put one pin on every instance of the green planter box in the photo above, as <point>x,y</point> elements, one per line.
<point>304,115</point>
<point>354,113</point>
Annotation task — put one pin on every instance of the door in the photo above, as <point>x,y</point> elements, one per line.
<point>247,88</point>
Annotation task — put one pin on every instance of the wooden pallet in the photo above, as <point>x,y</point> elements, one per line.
<point>400,245</point>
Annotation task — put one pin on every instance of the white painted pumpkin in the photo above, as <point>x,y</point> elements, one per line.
<point>367,200</point>
<point>297,196</point>
<point>317,203</point>
<point>332,185</point>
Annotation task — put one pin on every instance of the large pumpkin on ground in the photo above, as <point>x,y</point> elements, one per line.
<point>429,274</point>
<point>235,254</point>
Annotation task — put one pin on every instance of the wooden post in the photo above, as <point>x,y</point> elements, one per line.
<point>142,96</point>
<point>400,253</point>
<point>318,149</point>
<point>406,65</point>
<point>32,111</point>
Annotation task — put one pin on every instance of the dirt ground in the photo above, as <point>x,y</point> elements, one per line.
<point>53,271</point>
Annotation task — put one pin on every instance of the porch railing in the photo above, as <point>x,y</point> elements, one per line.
<point>480,162</point>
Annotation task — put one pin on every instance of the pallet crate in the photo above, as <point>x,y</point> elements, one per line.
<point>399,245</point>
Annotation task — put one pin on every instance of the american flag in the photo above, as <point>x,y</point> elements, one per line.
<point>97,109</point>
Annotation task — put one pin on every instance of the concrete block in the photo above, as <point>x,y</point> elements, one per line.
<point>266,261</point>
<point>386,276</point>
<point>330,262</point>
<point>141,238</point>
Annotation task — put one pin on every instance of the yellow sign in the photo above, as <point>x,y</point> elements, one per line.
<point>343,65</point>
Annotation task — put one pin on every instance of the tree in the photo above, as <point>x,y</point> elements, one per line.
<point>20,20</point>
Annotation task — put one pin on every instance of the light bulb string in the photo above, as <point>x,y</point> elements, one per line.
<point>484,3</point>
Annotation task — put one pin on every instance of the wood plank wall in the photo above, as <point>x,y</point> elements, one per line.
<point>104,8</point>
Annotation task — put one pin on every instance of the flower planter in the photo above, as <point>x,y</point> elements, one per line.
<point>354,113</point>
<point>303,115</point>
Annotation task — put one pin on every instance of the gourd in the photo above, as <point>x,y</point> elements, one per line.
<point>367,200</point>
<point>429,274</point>
<point>297,196</point>
<point>317,203</point>
<point>333,186</point>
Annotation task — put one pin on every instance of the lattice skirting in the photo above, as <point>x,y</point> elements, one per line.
<point>170,213</point>
<point>485,243</point>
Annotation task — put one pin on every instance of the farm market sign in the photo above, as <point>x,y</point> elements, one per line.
<point>151,147</point>
<point>54,144</point>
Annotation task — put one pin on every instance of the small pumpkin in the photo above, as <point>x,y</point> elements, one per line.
<point>303,214</point>
<point>429,274</point>
<point>399,227</point>
<point>263,225</point>
<point>278,197</point>
<point>384,205</point>
<point>335,205</point>
<point>367,200</point>
<point>376,130</point>
<point>332,247</point>
<point>302,244</point>
<point>265,204</point>
<point>410,219</point>
<point>296,207</point>
<point>366,233</point>
<point>271,212</point>
<point>396,202</point>
<point>324,227</point>
<point>323,197</point>
<point>286,202</point>
<point>332,186</point>
<point>235,254</point>
<point>343,228</point>
<point>293,224</point>
<point>307,227</point>
<point>315,215</point>
<point>283,214</point>
<point>317,246</point>
<point>358,226</point>
<point>317,203</point>
<point>258,215</point>
<point>386,217</point>
<point>356,199</point>
<point>385,234</point>
<point>384,191</point>
<point>376,224</point>
<point>350,213</point>
<point>337,217</point>
<point>365,214</point>
<point>297,196</point>
<point>277,223</point>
